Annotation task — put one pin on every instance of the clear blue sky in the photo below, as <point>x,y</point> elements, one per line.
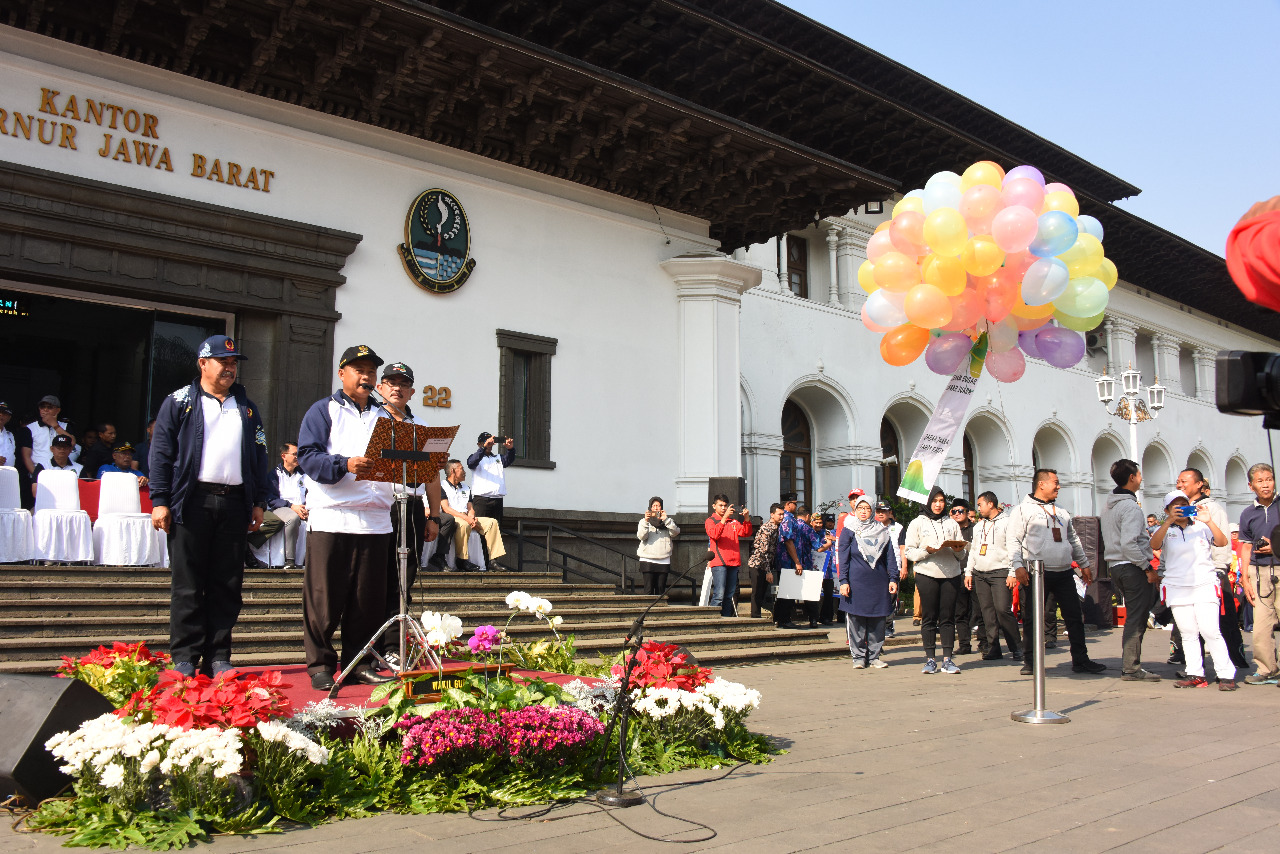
<point>1181,99</point>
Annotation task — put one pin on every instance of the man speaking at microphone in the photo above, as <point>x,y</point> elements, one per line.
<point>349,524</point>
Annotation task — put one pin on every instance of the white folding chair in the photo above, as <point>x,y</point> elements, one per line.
<point>122,535</point>
<point>16,538</point>
<point>62,531</point>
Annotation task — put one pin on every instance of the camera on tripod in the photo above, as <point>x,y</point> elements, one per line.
<point>1248,383</point>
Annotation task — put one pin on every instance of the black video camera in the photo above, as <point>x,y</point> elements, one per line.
<point>1249,384</point>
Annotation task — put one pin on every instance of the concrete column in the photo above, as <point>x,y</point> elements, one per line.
<point>784,281</point>
<point>1122,336</point>
<point>1166,360</point>
<point>851,296</point>
<point>833,241</point>
<point>1206,373</point>
<point>709,292</point>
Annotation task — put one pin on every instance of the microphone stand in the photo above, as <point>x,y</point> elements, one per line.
<point>616,796</point>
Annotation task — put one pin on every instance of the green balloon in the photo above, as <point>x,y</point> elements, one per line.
<point>1084,297</point>
<point>1079,324</point>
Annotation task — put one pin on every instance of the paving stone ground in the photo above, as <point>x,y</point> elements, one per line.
<point>892,760</point>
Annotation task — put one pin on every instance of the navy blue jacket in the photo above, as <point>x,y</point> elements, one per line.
<point>508,457</point>
<point>868,585</point>
<point>178,441</point>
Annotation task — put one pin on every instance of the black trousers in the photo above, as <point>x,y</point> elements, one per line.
<point>827,606</point>
<point>938,612</point>
<point>345,583</point>
<point>490,506</point>
<point>655,577</point>
<point>417,537</point>
<point>206,565</point>
<point>760,589</point>
<point>995,602</point>
<point>1059,585</point>
<point>966,607</point>
<point>1139,595</point>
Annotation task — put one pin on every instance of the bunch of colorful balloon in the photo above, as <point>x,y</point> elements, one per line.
<point>986,251</point>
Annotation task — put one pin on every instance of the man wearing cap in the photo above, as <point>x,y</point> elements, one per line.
<point>122,461</point>
<point>488,479</point>
<point>60,450</point>
<point>15,450</point>
<point>100,453</point>
<point>44,428</point>
<point>396,388</point>
<point>209,489</point>
<point>348,524</point>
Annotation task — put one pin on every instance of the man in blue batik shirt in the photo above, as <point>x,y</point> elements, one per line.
<point>788,558</point>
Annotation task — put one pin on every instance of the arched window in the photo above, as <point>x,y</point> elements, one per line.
<point>889,475</point>
<point>796,461</point>
<point>968,479</point>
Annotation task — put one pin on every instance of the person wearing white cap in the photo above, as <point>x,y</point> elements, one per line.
<point>1190,588</point>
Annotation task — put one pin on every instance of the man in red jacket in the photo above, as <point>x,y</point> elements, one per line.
<point>723,531</point>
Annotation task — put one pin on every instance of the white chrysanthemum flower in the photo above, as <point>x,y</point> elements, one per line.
<point>296,742</point>
<point>113,776</point>
<point>518,600</point>
<point>151,760</point>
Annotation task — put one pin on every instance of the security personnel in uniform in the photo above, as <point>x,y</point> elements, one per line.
<point>208,490</point>
<point>348,524</point>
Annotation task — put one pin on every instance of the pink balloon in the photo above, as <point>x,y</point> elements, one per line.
<point>1017,263</point>
<point>1015,227</point>
<point>1058,188</point>
<point>1023,191</point>
<point>966,310</point>
<point>1024,172</point>
<point>978,205</point>
<point>1006,367</point>
<point>879,244</point>
<point>907,233</point>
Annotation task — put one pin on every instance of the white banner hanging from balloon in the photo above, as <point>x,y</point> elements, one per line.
<point>940,432</point>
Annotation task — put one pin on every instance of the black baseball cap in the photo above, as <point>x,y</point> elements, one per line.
<point>4,407</point>
<point>883,507</point>
<point>360,351</point>
<point>52,400</point>
<point>61,441</point>
<point>219,347</point>
<point>483,437</point>
<point>398,369</point>
<point>788,496</point>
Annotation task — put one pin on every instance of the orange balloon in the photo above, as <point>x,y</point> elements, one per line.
<point>1026,324</point>
<point>896,272</point>
<point>927,307</point>
<point>999,292</point>
<point>1021,309</point>
<point>903,344</point>
<point>882,226</point>
<point>907,233</point>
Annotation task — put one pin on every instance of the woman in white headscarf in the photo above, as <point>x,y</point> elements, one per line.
<point>1191,589</point>
<point>868,578</point>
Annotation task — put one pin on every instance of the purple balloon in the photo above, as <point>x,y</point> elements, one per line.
<point>1060,347</point>
<point>1024,172</point>
<point>1027,341</point>
<point>946,353</point>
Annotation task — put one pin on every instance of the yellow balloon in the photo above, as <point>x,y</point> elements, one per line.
<point>909,203</point>
<point>1079,324</point>
<point>1031,312</point>
<point>882,226</point>
<point>867,277</point>
<point>945,232</point>
<point>1083,258</point>
<point>1061,200</point>
<point>1107,273</point>
<point>945,274</point>
<point>982,172</point>
<point>981,256</point>
<point>896,272</point>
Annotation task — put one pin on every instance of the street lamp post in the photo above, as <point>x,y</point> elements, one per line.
<point>1131,407</point>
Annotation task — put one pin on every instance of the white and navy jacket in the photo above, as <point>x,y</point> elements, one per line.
<point>334,430</point>
<point>489,479</point>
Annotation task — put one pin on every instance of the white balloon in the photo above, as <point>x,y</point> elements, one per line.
<point>941,195</point>
<point>882,310</point>
<point>1044,281</point>
<point>1002,336</point>
<point>1090,225</point>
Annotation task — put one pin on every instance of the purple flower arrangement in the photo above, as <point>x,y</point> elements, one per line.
<point>454,739</point>
<point>485,639</point>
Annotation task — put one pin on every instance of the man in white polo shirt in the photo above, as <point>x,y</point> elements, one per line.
<point>44,428</point>
<point>209,489</point>
<point>459,518</point>
<point>488,474</point>
<point>348,524</point>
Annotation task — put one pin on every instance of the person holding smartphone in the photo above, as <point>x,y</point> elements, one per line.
<point>656,533</point>
<point>724,530</point>
<point>1191,589</point>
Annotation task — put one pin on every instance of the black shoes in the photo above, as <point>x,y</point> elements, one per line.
<point>992,656</point>
<point>965,650</point>
<point>367,676</point>
<point>787,626</point>
<point>1177,659</point>
<point>322,681</point>
<point>252,562</point>
<point>1026,669</point>
<point>1088,667</point>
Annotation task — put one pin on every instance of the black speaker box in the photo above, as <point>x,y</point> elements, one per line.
<point>734,487</point>
<point>33,709</point>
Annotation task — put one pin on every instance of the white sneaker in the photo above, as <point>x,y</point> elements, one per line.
<point>859,665</point>
<point>879,664</point>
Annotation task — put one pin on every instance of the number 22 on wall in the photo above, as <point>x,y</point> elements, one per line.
<point>439,397</point>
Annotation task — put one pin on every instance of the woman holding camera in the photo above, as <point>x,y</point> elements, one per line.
<point>656,532</point>
<point>1191,589</point>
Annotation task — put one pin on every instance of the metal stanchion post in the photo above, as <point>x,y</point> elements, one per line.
<point>1039,714</point>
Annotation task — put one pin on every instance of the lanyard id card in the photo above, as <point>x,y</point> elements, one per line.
<point>983,549</point>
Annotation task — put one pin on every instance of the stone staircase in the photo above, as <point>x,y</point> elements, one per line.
<point>47,612</point>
